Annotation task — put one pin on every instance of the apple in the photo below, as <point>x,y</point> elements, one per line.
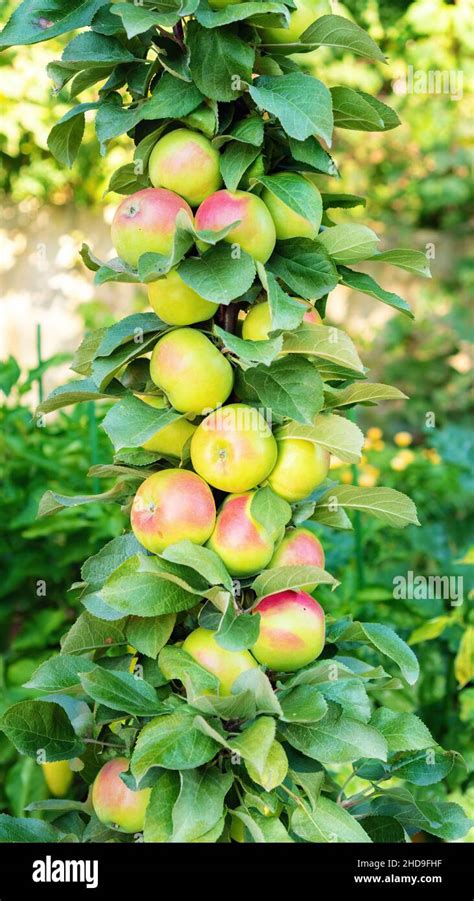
<point>292,630</point>
<point>299,547</point>
<point>176,303</point>
<point>193,373</point>
<point>242,543</point>
<point>258,321</point>
<point>306,12</point>
<point>233,449</point>
<point>288,223</point>
<point>301,466</point>
<point>226,665</point>
<point>145,222</point>
<point>219,4</point>
<point>171,439</point>
<point>172,505</point>
<point>255,232</point>
<point>254,171</point>
<point>115,804</point>
<point>186,162</point>
<point>58,777</point>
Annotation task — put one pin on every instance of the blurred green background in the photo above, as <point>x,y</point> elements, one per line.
<point>417,180</point>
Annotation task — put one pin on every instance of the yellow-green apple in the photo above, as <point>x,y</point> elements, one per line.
<point>193,373</point>
<point>219,4</point>
<point>242,543</point>
<point>258,321</point>
<point>226,665</point>
<point>186,162</point>
<point>306,12</point>
<point>145,222</point>
<point>171,439</point>
<point>254,171</point>
<point>301,466</point>
<point>114,803</point>
<point>172,505</point>
<point>288,223</point>
<point>233,449</point>
<point>255,232</point>
<point>292,630</point>
<point>58,777</point>
<point>176,303</point>
<point>299,547</point>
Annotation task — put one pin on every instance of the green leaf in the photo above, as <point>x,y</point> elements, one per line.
<point>255,742</point>
<point>234,162</point>
<point>431,628</point>
<point>130,422</point>
<point>150,634</point>
<point>386,504</point>
<point>219,61</point>
<point>305,267</point>
<point>313,156</point>
<point>89,633</point>
<point>283,578</point>
<point>90,47</point>
<point>363,393</point>
<point>446,821</point>
<point>77,392</point>
<point>411,260</point>
<point>251,352</point>
<point>290,387</point>
<point>41,726</point>
<point>65,138</point>
<point>302,704</point>
<point>328,822</point>
<point>300,102</point>
<point>255,681</point>
<point>349,243</point>
<point>385,640</point>
<point>51,502</point>
<point>342,201</point>
<point>202,559</point>
<point>361,112</point>
<point>335,739</point>
<point>171,98</point>
<point>270,510</point>
<point>403,731</point>
<point>424,767</point>
<point>341,33</point>
<point>159,811</point>
<point>327,344</point>
<point>121,691</point>
<point>172,742</point>
<point>214,18</point>
<point>126,181</point>
<point>200,804</point>
<point>114,119</point>
<point>384,829</point>
<point>350,694</point>
<point>296,192</point>
<point>360,281</point>
<point>100,566</point>
<point>148,586</point>
<point>59,673</point>
<point>237,632</point>
<point>136,18</point>
<point>22,829</point>
<point>286,312</point>
<point>340,436</point>
<point>30,25</point>
<point>273,771</point>
<point>175,663</point>
<point>218,275</point>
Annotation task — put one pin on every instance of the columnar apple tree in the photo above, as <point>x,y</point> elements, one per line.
<point>204,691</point>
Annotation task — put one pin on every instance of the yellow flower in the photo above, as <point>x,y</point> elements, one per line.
<point>368,478</point>
<point>374,433</point>
<point>346,477</point>
<point>402,460</point>
<point>379,445</point>
<point>434,457</point>
<point>367,444</point>
<point>403,439</point>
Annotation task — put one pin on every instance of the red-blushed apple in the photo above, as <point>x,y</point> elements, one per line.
<point>225,665</point>
<point>258,321</point>
<point>242,543</point>
<point>114,803</point>
<point>170,440</point>
<point>255,233</point>
<point>306,12</point>
<point>233,449</point>
<point>299,547</point>
<point>172,505</point>
<point>193,373</point>
<point>186,162</point>
<point>176,303</point>
<point>145,222</point>
<point>289,223</point>
<point>292,630</point>
<point>58,777</point>
<point>301,466</point>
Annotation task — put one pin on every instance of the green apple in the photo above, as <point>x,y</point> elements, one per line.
<point>306,12</point>
<point>258,321</point>
<point>242,543</point>
<point>171,439</point>
<point>172,505</point>
<point>176,303</point>
<point>186,162</point>
<point>114,803</point>
<point>226,665</point>
<point>192,372</point>
<point>145,222</point>
<point>301,466</point>
<point>292,630</point>
<point>255,233</point>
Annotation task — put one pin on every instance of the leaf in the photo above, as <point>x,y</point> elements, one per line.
<point>445,820</point>
<point>411,260</point>
<point>237,632</point>
<point>59,673</point>
<point>254,743</point>
<point>148,586</point>
<point>150,634</point>
<point>403,731</point>
<point>89,633</point>
<point>171,98</point>
<point>335,739</point>
<point>424,767</point>
<point>51,502</point>
<point>286,312</point>
<point>312,155</point>
<point>464,660</point>
<point>297,193</point>
<point>291,387</point>
<point>234,162</point>
<point>274,770</point>
<point>302,704</point>
<point>214,18</point>
<point>200,804</point>
<point>23,829</point>
<point>328,822</point>
<point>131,422</point>
<point>300,102</point>
<point>77,392</point>
<point>158,815</point>
<point>136,19</point>
<point>341,33</point>
<point>202,559</point>
<point>255,681</point>
<point>390,506</point>
<point>218,275</point>
<point>305,267</point>
<point>65,138</point>
<point>284,578</point>
<point>349,243</point>
<point>338,435</point>
<point>29,25</point>
<point>100,566</point>
<point>250,351</point>
<point>219,60</point>
<point>326,343</point>
<point>384,829</point>
<point>430,629</point>
<point>175,663</point>
<point>385,640</point>
<point>121,691</point>
<point>363,394</point>
<point>360,281</point>
<point>342,201</point>
<point>90,47</point>
<point>172,742</point>
<point>270,510</point>
<point>361,112</point>
<point>34,726</point>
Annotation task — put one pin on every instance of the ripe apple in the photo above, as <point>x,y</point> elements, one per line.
<point>186,162</point>
<point>226,665</point>
<point>145,222</point>
<point>115,804</point>
<point>242,543</point>
<point>191,371</point>
<point>172,505</point>
<point>234,449</point>
<point>292,630</point>
<point>306,12</point>
<point>288,223</point>
<point>176,303</point>
<point>300,547</point>
<point>258,320</point>
<point>58,777</point>
<point>171,439</point>
<point>301,466</point>
<point>255,233</point>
